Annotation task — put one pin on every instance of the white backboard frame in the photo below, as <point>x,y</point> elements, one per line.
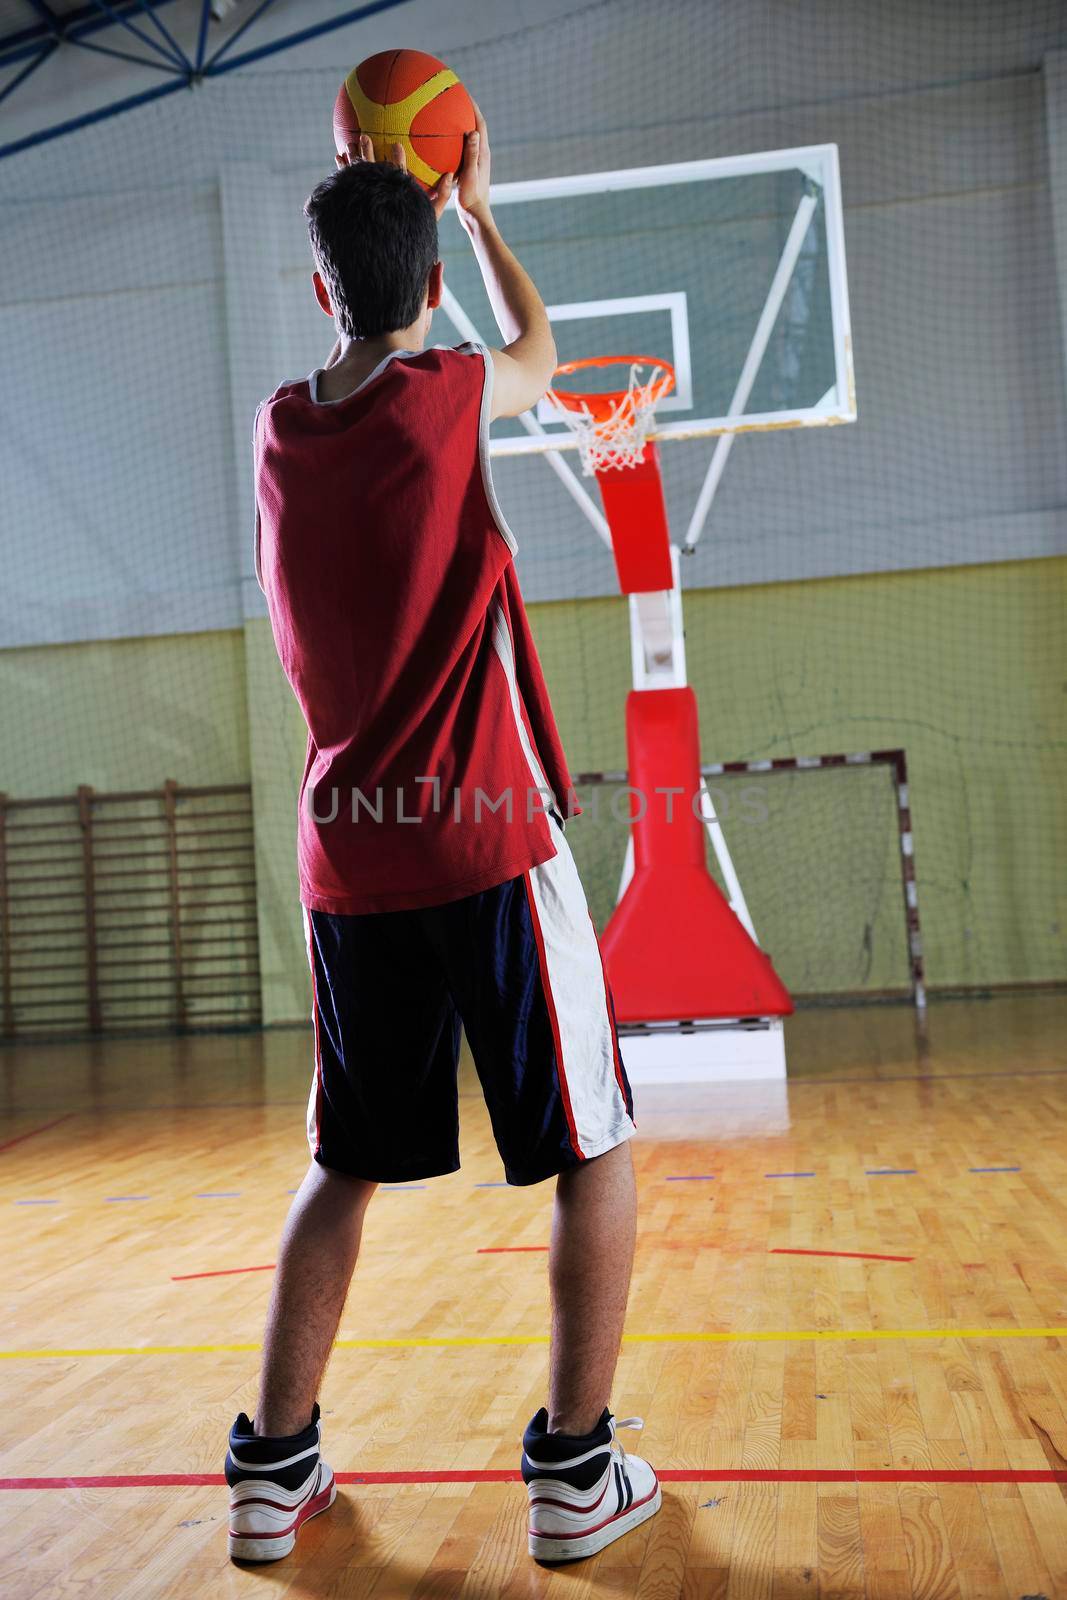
<point>675,304</point>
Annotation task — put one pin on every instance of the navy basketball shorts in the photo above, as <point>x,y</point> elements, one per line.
<point>518,967</point>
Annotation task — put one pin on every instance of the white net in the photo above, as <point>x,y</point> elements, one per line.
<point>616,432</point>
<point>817,853</point>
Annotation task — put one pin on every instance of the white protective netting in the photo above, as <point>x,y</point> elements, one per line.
<point>896,583</point>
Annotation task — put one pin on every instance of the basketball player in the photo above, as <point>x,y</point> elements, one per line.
<point>438,888</point>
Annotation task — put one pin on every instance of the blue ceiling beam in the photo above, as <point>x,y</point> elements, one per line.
<point>73,25</point>
<point>33,34</point>
<point>253,17</point>
<point>45,12</point>
<point>89,19</point>
<point>161,28</point>
<point>30,67</point>
<point>201,38</point>
<point>291,40</point>
<point>143,38</point>
<point>101,114</point>
<point>150,63</point>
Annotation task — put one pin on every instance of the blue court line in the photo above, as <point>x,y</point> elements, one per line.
<point>681,1177</point>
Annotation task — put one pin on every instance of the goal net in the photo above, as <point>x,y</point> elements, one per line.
<point>817,848</point>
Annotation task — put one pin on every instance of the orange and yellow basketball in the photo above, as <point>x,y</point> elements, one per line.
<point>406,97</point>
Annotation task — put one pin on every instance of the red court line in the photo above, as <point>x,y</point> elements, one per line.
<point>201,1480</point>
<point>848,1255</point>
<point>33,1132</point>
<point>525,1249</point>
<point>223,1272</point>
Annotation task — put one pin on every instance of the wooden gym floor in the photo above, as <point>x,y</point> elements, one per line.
<point>847,1332</point>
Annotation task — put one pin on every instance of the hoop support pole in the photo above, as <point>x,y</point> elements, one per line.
<point>734,893</point>
<point>753,361</point>
<point>674,949</point>
<point>657,635</point>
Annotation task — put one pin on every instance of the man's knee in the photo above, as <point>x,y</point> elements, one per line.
<point>348,1190</point>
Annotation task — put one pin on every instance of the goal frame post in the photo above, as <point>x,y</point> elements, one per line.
<point>897,762</point>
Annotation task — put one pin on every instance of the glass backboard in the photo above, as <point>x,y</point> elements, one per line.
<point>732,269</point>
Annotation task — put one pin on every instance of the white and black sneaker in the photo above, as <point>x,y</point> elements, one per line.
<point>584,1490</point>
<point>275,1486</point>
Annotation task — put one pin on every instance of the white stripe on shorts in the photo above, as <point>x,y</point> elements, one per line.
<point>316,1075</point>
<point>575,981</point>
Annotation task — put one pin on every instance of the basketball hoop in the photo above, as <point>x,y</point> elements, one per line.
<point>611,428</point>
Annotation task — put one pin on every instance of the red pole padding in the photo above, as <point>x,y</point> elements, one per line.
<point>673,949</point>
<point>637,514</point>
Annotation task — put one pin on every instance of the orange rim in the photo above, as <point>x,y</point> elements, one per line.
<point>604,407</point>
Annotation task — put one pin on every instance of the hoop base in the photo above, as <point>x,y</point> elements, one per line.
<point>731,1051</point>
<point>673,948</point>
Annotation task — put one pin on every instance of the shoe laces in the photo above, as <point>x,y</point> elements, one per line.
<point>623,1422</point>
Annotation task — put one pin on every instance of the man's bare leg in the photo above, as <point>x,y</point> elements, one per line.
<point>317,1257</point>
<point>593,1229</point>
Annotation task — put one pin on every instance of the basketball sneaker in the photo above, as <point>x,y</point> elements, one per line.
<point>275,1486</point>
<point>584,1490</point>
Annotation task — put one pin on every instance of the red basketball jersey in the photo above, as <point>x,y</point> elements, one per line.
<point>388,570</point>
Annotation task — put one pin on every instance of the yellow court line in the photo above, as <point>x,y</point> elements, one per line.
<point>777,1336</point>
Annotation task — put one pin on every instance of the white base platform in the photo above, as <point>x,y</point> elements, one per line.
<point>716,1052</point>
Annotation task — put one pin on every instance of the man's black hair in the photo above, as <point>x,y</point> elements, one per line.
<point>374,234</point>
